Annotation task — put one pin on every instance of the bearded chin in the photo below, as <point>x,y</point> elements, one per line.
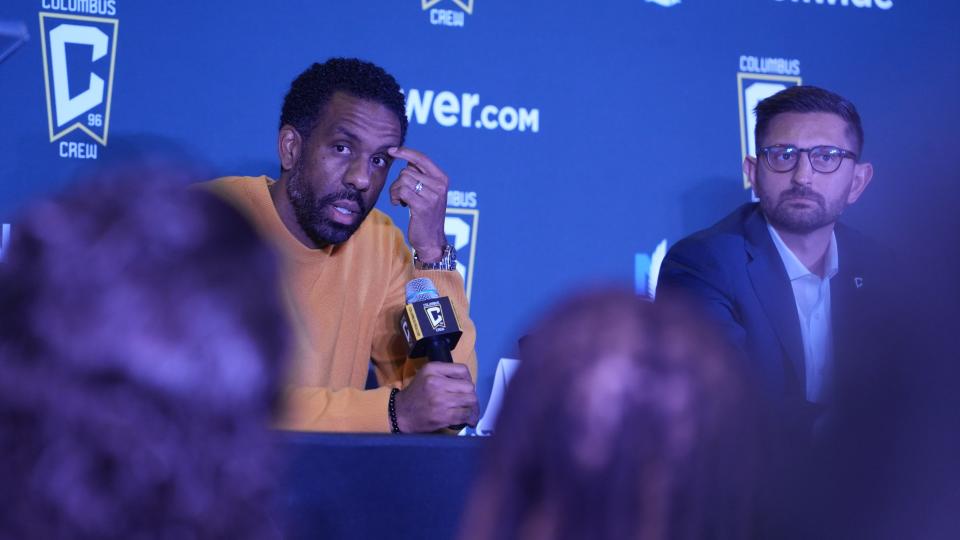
<point>309,213</point>
<point>799,223</point>
<point>782,215</point>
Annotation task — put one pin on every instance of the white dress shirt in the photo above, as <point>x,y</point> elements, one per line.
<point>811,293</point>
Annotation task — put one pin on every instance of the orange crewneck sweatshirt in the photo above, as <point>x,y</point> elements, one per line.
<point>344,304</point>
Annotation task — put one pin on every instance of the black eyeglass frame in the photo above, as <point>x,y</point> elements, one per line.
<point>844,153</point>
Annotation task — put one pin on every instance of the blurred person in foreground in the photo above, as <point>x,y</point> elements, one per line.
<point>138,366</point>
<point>625,419</point>
<point>345,264</point>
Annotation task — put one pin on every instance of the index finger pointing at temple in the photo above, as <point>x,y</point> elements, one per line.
<point>417,159</point>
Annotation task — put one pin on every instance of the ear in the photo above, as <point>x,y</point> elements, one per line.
<point>289,146</point>
<point>750,169</point>
<point>862,174</point>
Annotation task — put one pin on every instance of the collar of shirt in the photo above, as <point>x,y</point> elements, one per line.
<point>795,268</point>
<point>811,294</point>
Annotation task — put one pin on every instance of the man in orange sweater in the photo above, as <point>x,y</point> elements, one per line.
<point>346,264</point>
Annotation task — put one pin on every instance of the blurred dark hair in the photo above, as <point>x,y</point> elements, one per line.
<point>625,419</point>
<point>808,99</point>
<point>140,346</point>
<point>312,89</point>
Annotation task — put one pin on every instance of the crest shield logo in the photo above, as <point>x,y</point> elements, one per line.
<point>754,88</point>
<point>443,14</point>
<point>79,55</point>
<point>460,228</point>
<point>434,313</point>
<point>465,5</point>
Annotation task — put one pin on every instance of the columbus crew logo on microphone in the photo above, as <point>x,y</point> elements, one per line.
<point>427,319</point>
<point>434,313</point>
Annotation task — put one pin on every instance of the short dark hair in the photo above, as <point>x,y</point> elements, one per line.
<point>808,99</point>
<point>313,88</point>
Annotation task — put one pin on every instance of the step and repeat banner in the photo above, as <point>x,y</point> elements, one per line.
<point>582,139</point>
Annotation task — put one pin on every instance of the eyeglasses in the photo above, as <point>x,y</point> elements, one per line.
<point>823,159</point>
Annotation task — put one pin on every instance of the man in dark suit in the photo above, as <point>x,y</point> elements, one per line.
<point>782,277</point>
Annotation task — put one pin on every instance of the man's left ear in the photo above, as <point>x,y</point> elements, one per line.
<point>862,174</point>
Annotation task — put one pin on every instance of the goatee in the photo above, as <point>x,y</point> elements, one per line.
<point>785,215</point>
<point>311,213</point>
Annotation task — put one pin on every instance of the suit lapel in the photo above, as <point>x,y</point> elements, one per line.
<point>772,286</point>
<point>846,288</point>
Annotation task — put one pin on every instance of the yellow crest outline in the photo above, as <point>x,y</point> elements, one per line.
<point>473,242</point>
<point>466,5</point>
<point>743,125</point>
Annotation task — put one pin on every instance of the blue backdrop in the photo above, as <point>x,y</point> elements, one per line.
<point>577,135</point>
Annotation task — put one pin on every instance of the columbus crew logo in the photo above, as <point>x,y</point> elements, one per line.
<point>79,55</point>
<point>752,89</point>
<point>434,313</point>
<point>460,228</point>
<point>448,17</point>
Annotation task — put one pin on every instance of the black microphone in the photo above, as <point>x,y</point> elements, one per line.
<point>430,324</point>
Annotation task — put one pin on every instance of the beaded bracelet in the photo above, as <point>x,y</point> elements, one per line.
<point>392,409</point>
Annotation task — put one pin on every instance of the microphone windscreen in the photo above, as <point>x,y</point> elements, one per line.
<point>420,289</point>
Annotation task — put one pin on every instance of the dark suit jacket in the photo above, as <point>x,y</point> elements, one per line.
<point>733,269</point>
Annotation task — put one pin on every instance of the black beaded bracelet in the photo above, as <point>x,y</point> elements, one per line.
<point>392,409</point>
